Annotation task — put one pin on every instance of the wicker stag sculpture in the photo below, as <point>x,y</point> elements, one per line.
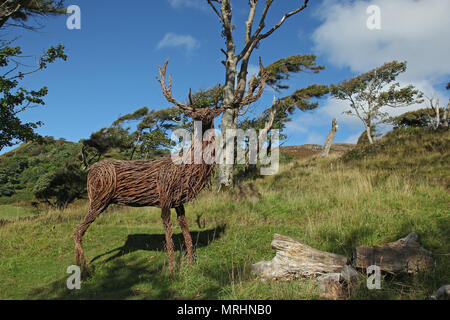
<point>160,182</point>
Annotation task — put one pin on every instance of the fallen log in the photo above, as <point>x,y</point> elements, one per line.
<point>294,259</point>
<point>338,286</point>
<point>403,255</point>
<point>330,286</point>
<point>442,293</point>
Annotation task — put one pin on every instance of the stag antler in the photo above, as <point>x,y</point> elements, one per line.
<point>237,103</point>
<point>167,91</point>
<point>250,97</point>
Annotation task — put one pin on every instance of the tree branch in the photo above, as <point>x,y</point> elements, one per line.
<point>257,36</point>
<point>249,22</point>
<point>251,44</point>
<point>251,96</point>
<point>287,15</point>
<point>269,123</point>
<point>244,112</point>
<point>215,9</point>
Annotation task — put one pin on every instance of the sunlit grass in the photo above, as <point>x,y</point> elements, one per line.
<point>10,212</point>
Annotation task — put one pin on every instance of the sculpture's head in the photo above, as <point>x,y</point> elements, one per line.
<point>207,114</point>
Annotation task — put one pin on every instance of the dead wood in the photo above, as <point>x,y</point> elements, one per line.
<point>294,259</point>
<point>403,255</point>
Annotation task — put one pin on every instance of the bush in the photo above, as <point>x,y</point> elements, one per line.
<point>7,190</point>
<point>63,186</point>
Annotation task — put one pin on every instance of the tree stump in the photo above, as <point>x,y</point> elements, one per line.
<point>294,259</point>
<point>329,139</point>
<point>403,255</point>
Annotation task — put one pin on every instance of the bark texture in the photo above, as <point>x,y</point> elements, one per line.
<point>294,259</point>
<point>236,80</point>
<point>404,255</point>
<point>329,139</point>
<point>442,293</point>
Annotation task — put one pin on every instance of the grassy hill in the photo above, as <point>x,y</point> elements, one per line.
<point>21,168</point>
<point>369,196</point>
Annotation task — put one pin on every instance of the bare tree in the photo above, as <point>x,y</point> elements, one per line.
<point>236,80</point>
<point>440,114</point>
<point>329,139</point>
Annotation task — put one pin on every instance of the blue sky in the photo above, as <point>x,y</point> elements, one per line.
<point>112,61</point>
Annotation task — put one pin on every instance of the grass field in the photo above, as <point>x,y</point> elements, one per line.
<point>330,204</point>
<point>10,212</point>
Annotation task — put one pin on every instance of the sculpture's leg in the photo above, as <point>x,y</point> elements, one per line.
<point>169,242</point>
<point>93,213</point>
<point>185,229</point>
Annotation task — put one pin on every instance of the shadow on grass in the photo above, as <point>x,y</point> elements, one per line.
<point>117,281</point>
<point>344,243</point>
<point>132,276</point>
<point>156,242</point>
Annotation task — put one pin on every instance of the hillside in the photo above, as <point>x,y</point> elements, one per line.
<point>415,153</point>
<point>33,166</point>
<point>21,168</point>
<point>308,150</point>
<point>371,195</point>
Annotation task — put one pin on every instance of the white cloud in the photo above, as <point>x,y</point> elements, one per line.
<point>172,40</point>
<point>413,30</point>
<point>196,4</point>
<point>322,117</point>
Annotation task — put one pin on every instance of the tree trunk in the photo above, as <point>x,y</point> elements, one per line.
<point>438,115</point>
<point>252,39</point>
<point>229,117</point>
<point>329,139</point>
<point>84,156</point>
<point>369,134</point>
<point>403,255</point>
<point>135,144</point>
<point>226,170</point>
<point>250,168</point>
<point>445,117</point>
<point>297,260</point>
